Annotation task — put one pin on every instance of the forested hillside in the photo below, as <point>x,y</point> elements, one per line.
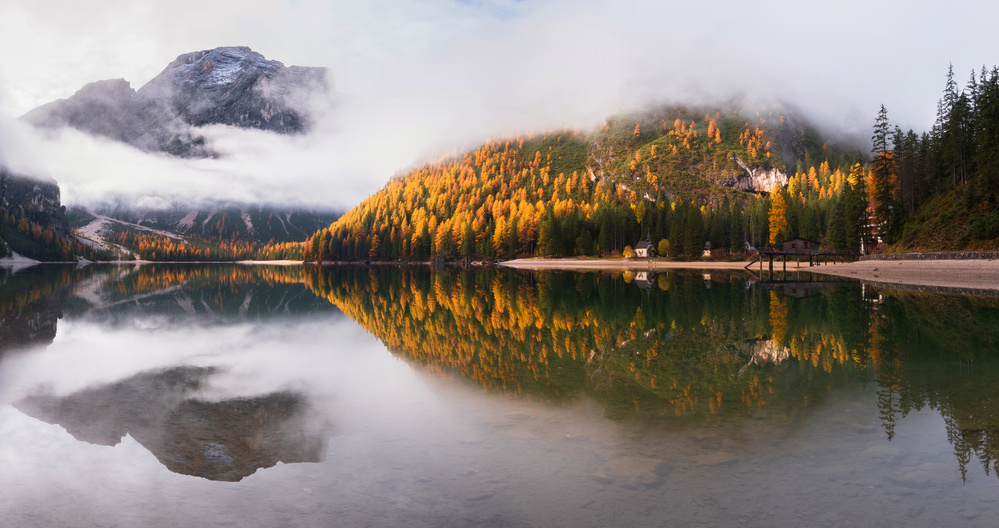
<point>676,176</point>
<point>33,221</point>
<point>730,178</point>
<point>939,190</point>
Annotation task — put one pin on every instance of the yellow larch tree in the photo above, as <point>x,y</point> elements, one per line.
<point>778,216</point>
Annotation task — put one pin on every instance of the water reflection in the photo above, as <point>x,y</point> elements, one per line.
<point>224,440</point>
<point>31,303</point>
<point>165,409</point>
<point>697,348</point>
<point>683,352</point>
<point>35,298</point>
<point>213,371</point>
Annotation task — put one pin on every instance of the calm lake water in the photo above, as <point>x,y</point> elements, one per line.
<point>350,396</point>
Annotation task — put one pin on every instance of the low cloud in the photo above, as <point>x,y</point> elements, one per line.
<point>419,78</point>
<point>254,167</point>
<point>16,153</point>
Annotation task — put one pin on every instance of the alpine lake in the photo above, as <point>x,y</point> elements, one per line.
<point>228,395</point>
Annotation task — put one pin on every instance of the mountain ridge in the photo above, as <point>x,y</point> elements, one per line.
<point>232,86</point>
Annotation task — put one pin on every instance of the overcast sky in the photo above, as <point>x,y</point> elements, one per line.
<point>418,77</point>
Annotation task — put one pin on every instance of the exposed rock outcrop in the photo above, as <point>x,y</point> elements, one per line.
<point>30,196</point>
<point>233,86</point>
<point>36,201</point>
<point>758,179</point>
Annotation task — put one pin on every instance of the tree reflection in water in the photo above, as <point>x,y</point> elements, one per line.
<point>694,347</point>
<point>678,349</point>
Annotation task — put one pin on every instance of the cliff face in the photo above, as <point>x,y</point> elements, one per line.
<point>758,179</point>
<point>26,203</point>
<point>30,196</point>
<point>233,86</point>
<point>236,87</point>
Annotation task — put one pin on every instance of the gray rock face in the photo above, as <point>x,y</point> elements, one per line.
<point>35,199</point>
<point>758,179</point>
<point>238,87</point>
<point>233,86</point>
<point>100,108</point>
<point>28,201</point>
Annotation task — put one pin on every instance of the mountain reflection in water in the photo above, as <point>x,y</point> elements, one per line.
<point>496,387</point>
<point>225,440</point>
<point>162,410</point>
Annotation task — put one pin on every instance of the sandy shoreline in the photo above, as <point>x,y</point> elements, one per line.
<point>965,274</point>
<point>616,264</point>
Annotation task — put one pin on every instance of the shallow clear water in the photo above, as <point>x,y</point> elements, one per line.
<point>240,396</point>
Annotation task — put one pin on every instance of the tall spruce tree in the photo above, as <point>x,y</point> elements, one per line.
<point>882,173</point>
<point>857,233</point>
<point>694,236</point>
<point>837,228</point>
<point>737,228</point>
<point>987,134</point>
<point>677,230</point>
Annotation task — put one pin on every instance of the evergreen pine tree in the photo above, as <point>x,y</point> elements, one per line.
<point>694,232</point>
<point>837,227</point>
<point>858,236</point>
<point>677,230</point>
<point>987,134</point>
<point>467,241</point>
<point>882,173</point>
<point>736,242</point>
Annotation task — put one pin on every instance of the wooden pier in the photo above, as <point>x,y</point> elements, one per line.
<point>814,259</point>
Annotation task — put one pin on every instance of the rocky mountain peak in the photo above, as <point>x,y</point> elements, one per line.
<point>233,86</point>
<point>110,87</point>
<point>99,108</point>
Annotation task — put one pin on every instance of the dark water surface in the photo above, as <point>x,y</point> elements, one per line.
<point>350,396</point>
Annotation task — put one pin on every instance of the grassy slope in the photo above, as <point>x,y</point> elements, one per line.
<point>943,224</point>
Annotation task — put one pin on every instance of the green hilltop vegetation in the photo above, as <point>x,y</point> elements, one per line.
<point>941,187</point>
<point>680,177</point>
<point>685,177</point>
<point>677,176</point>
